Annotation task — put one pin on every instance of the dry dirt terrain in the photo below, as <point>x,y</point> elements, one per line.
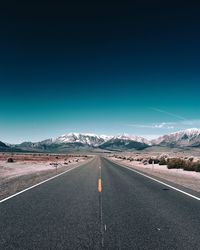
<point>25,170</point>
<point>184,178</point>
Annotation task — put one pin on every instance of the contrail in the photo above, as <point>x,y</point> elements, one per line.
<point>170,114</point>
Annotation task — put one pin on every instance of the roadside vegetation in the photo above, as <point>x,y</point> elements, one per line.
<point>188,163</point>
<point>185,164</point>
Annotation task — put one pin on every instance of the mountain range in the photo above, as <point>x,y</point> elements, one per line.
<point>82,141</point>
<point>184,138</point>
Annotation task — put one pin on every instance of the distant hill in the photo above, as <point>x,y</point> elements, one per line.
<point>4,147</point>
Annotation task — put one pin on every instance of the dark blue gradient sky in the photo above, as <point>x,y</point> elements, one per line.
<point>101,68</point>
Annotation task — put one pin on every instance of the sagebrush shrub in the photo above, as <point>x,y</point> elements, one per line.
<point>189,166</point>
<point>197,166</point>
<point>163,161</point>
<point>176,163</point>
<point>10,160</point>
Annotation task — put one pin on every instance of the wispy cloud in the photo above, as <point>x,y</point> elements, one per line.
<point>168,113</point>
<point>194,122</point>
<point>162,125</point>
<point>178,125</point>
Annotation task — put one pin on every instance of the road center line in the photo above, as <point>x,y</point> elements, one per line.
<point>101,207</point>
<point>99,185</point>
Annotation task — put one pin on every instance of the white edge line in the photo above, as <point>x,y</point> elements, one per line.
<point>179,190</point>
<point>11,196</point>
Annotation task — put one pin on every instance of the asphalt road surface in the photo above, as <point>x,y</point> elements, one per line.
<point>100,205</point>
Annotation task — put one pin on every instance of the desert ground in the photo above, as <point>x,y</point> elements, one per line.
<point>19,171</point>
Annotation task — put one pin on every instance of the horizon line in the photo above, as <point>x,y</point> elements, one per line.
<point>144,136</point>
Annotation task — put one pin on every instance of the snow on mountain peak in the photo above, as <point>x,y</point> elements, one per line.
<point>190,131</point>
<point>180,138</point>
<point>96,140</point>
<point>84,138</point>
<point>136,138</point>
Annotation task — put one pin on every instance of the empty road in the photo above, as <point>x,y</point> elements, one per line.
<point>100,205</point>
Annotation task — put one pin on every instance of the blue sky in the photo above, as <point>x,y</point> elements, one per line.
<point>101,69</point>
<point>144,110</point>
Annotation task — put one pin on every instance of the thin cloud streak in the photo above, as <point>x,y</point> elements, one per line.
<point>168,113</point>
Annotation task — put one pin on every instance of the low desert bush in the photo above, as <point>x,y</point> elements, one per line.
<point>189,166</point>
<point>192,166</point>
<point>176,163</point>
<point>10,160</point>
<point>163,161</point>
<point>150,161</point>
<point>130,159</point>
<point>197,166</point>
<point>191,158</point>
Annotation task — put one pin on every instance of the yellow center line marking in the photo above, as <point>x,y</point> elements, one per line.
<point>99,185</point>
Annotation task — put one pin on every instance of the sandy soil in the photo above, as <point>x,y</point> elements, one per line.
<point>187,179</point>
<point>29,169</point>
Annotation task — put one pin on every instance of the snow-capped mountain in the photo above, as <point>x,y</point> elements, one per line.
<point>125,141</point>
<point>79,141</point>
<point>82,141</point>
<point>187,137</point>
<point>132,138</point>
<point>71,141</point>
<point>86,139</point>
